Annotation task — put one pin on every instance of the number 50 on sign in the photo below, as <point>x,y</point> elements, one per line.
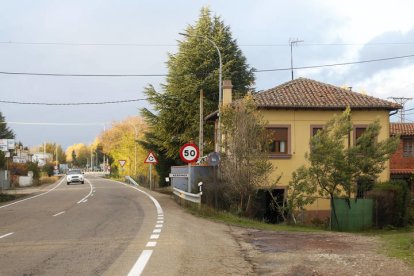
<point>189,153</point>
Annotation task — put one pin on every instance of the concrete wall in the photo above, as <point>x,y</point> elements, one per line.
<point>198,174</point>
<point>25,181</point>
<point>4,183</point>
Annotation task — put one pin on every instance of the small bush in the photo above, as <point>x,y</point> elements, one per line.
<point>392,203</point>
<point>31,166</point>
<point>48,168</point>
<point>18,169</point>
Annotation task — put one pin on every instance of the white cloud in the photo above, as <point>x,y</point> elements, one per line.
<point>396,82</point>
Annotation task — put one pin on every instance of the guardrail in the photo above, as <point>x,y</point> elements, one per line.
<point>129,179</point>
<point>196,198</point>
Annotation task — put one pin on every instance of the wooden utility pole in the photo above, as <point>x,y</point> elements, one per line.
<point>201,131</point>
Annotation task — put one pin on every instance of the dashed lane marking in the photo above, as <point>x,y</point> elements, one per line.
<point>58,214</point>
<point>90,192</point>
<point>6,235</point>
<point>57,185</point>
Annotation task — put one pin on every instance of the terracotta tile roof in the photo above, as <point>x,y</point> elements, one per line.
<point>305,93</point>
<point>402,129</point>
<point>402,171</point>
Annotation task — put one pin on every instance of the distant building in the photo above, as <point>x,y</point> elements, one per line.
<point>42,158</point>
<point>402,161</point>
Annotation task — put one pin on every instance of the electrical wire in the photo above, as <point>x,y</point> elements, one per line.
<point>78,103</point>
<point>336,64</point>
<point>81,75</point>
<point>174,45</point>
<point>164,75</point>
<point>55,124</point>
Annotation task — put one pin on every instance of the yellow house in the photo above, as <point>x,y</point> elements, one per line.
<point>295,110</point>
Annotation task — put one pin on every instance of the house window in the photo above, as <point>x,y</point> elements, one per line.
<point>315,129</point>
<point>408,147</point>
<point>358,131</point>
<point>279,140</point>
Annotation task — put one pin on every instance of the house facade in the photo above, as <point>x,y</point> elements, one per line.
<point>297,109</point>
<point>402,161</point>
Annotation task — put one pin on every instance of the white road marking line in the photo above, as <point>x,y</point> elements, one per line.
<point>6,235</point>
<point>154,237</point>
<point>55,215</point>
<point>34,196</point>
<point>160,221</point>
<point>90,192</point>
<point>158,226</point>
<point>151,244</point>
<point>146,254</point>
<point>141,263</point>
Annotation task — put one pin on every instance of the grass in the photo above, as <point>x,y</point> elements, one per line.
<point>231,219</point>
<point>399,244</point>
<point>48,179</point>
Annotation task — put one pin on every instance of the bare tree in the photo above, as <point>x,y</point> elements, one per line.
<point>245,167</point>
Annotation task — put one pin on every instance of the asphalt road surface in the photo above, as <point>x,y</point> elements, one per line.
<point>105,227</point>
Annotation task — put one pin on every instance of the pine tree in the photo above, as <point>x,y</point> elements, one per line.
<point>5,132</point>
<point>195,66</point>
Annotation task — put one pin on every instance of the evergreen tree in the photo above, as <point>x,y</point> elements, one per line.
<point>5,132</point>
<point>335,167</point>
<point>195,66</point>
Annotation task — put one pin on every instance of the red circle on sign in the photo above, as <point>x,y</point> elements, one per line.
<point>189,153</point>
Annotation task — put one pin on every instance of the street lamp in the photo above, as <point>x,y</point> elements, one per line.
<point>220,83</point>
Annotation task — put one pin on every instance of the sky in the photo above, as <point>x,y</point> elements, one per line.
<point>135,37</point>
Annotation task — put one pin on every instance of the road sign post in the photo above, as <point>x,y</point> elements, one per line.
<point>151,159</point>
<point>189,153</point>
<point>121,163</point>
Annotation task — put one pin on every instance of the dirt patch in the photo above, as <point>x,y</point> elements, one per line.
<point>316,254</point>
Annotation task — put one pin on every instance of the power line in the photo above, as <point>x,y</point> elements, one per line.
<point>55,124</point>
<point>86,44</point>
<point>401,101</point>
<point>81,75</point>
<point>164,75</point>
<point>79,103</point>
<point>336,64</point>
<point>174,45</point>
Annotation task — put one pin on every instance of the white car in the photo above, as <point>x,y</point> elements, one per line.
<point>75,176</point>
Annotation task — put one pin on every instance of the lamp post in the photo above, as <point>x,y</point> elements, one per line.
<point>220,88</point>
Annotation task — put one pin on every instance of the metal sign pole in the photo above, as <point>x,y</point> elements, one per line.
<point>189,178</point>
<point>150,180</point>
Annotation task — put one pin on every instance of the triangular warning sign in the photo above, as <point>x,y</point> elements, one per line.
<point>151,158</point>
<point>122,162</point>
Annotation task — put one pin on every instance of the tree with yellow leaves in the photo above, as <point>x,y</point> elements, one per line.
<point>120,142</point>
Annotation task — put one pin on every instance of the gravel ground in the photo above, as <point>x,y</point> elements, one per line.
<point>316,254</point>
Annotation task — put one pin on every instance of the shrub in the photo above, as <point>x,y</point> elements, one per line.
<point>48,168</point>
<point>31,166</point>
<point>18,169</point>
<point>392,203</point>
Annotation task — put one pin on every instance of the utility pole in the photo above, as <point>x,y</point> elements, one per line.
<point>201,131</point>
<point>401,101</point>
<point>293,42</point>
<point>91,159</point>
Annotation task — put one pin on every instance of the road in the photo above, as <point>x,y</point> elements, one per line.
<point>105,227</point>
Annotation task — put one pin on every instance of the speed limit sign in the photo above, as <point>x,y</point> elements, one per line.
<point>189,153</point>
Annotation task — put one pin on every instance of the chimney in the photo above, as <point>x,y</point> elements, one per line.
<point>227,92</point>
